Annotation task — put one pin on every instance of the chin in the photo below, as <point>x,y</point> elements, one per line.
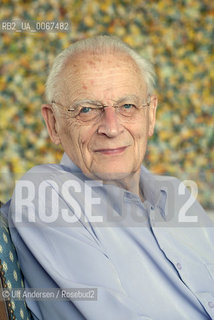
<point>111,175</point>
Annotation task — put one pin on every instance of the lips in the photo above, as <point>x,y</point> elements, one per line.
<point>111,151</point>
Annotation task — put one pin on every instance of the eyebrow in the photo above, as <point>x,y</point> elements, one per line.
<point>97,102</point>
<point>129,97</point>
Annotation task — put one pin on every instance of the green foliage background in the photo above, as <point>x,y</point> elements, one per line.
<point>177,36</point>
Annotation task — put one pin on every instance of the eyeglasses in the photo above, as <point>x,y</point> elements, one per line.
<point>88,110</point>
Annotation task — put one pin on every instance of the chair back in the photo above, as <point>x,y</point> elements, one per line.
<point>10,278</point>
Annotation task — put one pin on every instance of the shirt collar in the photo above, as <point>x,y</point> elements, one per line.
<point>66,162</point>
<point>150,186</point>
<point>153,192</point>
<point>154,188</point>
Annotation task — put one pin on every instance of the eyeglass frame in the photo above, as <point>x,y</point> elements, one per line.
<point>101,106</point>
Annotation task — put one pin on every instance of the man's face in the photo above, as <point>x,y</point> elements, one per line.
<point>110,148</point>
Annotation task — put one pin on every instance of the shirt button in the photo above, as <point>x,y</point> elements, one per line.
<point>179,266</point>
<point>211,304</point>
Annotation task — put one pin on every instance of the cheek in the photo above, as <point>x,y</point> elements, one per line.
<point>68,132</point>
<point>143,129</point>
<point>79,135</point>
<point>139,128</point>
<point>140,132</point>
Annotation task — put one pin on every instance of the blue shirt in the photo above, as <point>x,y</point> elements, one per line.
<point>148,260</point>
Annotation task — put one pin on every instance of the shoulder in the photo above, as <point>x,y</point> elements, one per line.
<point>179,199</point>
<point>44,172</point>
<point>177,191</point>
<point>42,181</point>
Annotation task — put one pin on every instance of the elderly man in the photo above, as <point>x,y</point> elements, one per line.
<point>132,245</point>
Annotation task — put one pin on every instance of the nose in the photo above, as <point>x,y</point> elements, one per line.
<point>109,124</point>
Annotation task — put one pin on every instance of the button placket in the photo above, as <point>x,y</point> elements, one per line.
<point>179,266</point>
<point>207,300</point>
<point>211,304</point>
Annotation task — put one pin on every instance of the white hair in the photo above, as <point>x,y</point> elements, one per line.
<point>97,45</point>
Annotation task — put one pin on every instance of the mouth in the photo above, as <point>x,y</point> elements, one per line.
<point>113,151</point>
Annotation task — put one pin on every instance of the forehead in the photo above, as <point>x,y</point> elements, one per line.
<point>101,76</point>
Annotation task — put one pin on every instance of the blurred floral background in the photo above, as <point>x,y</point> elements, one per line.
<point>176,35</point>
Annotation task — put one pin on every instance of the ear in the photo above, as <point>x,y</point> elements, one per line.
<point>152,114</point>
<point>51,124</point>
